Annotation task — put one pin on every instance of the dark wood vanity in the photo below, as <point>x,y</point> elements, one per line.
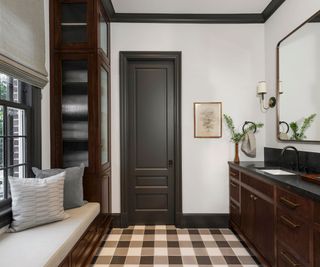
<point>280,225</point>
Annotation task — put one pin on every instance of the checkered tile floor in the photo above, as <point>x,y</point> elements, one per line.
<point>168,246</point>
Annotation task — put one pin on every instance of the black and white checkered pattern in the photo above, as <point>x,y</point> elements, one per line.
<point>168,246</point>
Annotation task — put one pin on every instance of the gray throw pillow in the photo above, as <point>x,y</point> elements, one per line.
<point>73,184</point>
<point>36,201</point>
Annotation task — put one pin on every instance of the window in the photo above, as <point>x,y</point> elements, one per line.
<point>15,126</point>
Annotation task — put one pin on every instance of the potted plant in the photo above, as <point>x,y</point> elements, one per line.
<point>237,137</point>
<point>299,133</point>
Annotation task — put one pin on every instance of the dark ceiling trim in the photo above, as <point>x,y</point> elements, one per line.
<point>109,8</point>
<point>193,18</point>
<point>187,18</point>
<point>271,8</point>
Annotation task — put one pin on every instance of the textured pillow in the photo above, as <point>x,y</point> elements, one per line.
<point>36,201</point>
<point>73,185</point>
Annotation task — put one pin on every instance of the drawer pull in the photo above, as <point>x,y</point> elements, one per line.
<point>233,184</point>
<point>287,258</point>
<point>289,203</point>
<point>234,174</point>
<point>289,223</point>
<point>233,206</point>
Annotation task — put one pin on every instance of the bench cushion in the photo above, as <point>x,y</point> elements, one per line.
<point>49,244</point>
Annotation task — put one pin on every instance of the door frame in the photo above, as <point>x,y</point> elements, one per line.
<point>125,57</point>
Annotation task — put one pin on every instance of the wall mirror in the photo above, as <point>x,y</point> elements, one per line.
<point>298,76</point>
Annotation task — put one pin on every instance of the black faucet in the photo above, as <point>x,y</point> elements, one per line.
<point>297,155</point>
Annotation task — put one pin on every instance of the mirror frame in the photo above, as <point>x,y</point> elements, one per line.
<point>277,85</point>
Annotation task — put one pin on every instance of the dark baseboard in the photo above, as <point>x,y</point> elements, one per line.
<point>116,220</point>
<point>204,220</point>
<point>187,220</point>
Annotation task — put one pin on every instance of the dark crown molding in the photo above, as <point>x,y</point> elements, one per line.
<point>192,18</point>
<point>271,8</point>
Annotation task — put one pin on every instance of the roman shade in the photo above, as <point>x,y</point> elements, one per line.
<point>22,40</point>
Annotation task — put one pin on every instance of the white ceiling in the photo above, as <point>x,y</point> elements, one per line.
<point>190,6</point>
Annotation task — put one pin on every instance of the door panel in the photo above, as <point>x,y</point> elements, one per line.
<point>247,213</point>
<point>150,142</point>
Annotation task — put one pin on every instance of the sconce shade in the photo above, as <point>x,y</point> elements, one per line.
<point>262,88</point>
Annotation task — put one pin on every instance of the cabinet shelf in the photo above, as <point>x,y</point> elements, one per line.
<point>69,140</point>
<point>75,24</point>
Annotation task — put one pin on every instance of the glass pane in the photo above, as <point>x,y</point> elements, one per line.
<point>1,152</point>
<point>74,34</point>
<point>74,23</point>
<point>19,172</point>
<point>75,113</point>
<point>16,151</point>
<point>74,13</point>
<point>1,121</point>
<point>104,117</point>
<point>16,121</point>
<point>2,184</point>
<point>103,35</point>
<point>14,90</point>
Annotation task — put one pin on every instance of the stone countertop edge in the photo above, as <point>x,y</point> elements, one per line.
<point>293,182</point>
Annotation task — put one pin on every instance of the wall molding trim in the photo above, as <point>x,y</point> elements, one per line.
<point>186,220</point>
<point>192,18</point>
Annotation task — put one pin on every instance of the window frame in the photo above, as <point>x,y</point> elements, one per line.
<point>6,137</point>
<point>32,135</point>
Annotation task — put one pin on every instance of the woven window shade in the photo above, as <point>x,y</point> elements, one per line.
<point>22,40</point>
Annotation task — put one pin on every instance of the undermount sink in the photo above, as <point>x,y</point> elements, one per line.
<point>277,172</point>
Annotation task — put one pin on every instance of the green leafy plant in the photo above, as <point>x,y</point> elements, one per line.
<point>237,137</point>
<point>299,133</point>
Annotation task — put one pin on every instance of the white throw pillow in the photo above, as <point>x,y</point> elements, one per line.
<point>36,201</point>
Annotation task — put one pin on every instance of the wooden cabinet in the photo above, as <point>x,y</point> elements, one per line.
<point>257,216</point>
<point>280,226</point>
<point>83,251</point>
<point>317,246</point>
<point>264,228</point>
<point>80,93</point>
<point>247,214</point>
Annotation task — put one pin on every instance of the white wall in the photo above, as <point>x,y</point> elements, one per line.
<point>288,17</point>
<point>45,110</point>
<point>219,63</point>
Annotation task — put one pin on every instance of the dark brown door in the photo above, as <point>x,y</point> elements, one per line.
<point>150,140</point>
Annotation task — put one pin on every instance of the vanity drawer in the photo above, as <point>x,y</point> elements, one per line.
<point>234,173</point>
<point>235,213</point>
<point>294,233</point>
<point>299,206</point>
<point>317,213</point>
<point>286,259</point>
<point>234,190</point>
<point>258,185</point>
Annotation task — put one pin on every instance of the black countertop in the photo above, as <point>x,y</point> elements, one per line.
<point>293,182</point>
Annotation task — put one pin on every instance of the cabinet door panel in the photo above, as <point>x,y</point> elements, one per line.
<point>74,24</point>
<point>285,258</point>
<point>247,214</point>
<point>317,247</point>
<point>294,233</point>
<point>264,229</point>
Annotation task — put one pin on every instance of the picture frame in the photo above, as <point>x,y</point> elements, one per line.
<point>207,119</point>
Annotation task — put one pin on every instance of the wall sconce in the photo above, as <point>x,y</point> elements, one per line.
<point>261,91</point>
<point>280,87</point>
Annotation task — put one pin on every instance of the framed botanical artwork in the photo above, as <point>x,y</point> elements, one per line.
<point>208,120</point>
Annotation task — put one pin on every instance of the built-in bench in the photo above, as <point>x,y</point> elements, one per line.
<point>70,242</point>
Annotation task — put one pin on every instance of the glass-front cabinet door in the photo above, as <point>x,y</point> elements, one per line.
<point>105,115</point>
<point>104,35</point>
<point>73,19</point>
<point>75,120</point>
